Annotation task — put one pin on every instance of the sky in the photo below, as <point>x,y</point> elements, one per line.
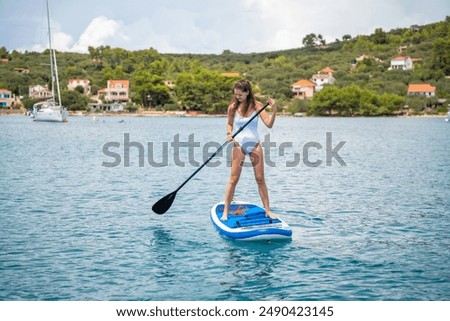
<point>203,27</point>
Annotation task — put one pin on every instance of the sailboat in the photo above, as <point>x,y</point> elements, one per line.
<point>52,109</point>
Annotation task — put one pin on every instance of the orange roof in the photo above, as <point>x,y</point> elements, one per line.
<point>304,83</point>
<point>413,88</point>
<point>400,58</point>
<point>327,70</point>
<point>113,83</point>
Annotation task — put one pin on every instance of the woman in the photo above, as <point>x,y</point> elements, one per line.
<point>243,106</point>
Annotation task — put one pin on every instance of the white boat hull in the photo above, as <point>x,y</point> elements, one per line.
<point>50,114</point>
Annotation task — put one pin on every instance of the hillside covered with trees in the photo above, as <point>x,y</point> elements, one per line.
<point>365,87</point>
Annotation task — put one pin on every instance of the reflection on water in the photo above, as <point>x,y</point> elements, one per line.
<point>161,248</point>
<point>252,270</point>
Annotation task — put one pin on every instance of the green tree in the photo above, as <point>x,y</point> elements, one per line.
<point>416,103</point>
<point>441,55</point>
<point>299,105</point>
<point>113,74</point>
<point>379,37</point>
<point>368,104</point>
<point>73,100</point>
<point>202,89</point>
<point>346,37</point>
<point>324,101</point>
<point>349,100</point>
<point>390,103</point>
<point>149,89</point>
<point>3,53</point>
<point>310,40</point>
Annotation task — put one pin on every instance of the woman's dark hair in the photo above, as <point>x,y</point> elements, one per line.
<point>245,86</point>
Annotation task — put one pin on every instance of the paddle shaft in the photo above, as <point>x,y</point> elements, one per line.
<point>221,147</point>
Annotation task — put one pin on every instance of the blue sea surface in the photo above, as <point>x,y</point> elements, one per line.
<point>369,205</point>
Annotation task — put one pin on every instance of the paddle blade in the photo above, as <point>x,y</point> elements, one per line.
<point>164,203</point>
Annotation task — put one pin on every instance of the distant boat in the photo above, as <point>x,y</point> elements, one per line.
<point>52,109</point>
<point>448,116</point>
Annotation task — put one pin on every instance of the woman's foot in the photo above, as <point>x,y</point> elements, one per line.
<point>270,215</point>
<point>224,217</point>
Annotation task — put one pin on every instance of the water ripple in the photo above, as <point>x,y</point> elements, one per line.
<point>376,229</point>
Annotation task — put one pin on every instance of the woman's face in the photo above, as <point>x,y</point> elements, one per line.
<point>240,95</point>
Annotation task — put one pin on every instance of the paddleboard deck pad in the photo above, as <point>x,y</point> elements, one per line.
<point>248,221</point>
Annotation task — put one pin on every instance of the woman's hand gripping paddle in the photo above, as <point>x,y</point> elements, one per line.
<point>163,205</point>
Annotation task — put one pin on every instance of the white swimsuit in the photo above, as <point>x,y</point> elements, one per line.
<point>248,138</point>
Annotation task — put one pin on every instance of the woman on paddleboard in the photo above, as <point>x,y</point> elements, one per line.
<point>242,107</point>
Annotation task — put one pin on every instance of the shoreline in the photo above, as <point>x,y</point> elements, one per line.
<point>182,114</point>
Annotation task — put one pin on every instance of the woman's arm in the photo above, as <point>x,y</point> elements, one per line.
<point>230,121</point>
<point>266,118</point>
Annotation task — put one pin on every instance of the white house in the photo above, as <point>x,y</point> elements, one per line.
<point>114,107</point>
<point>323,77</point>
<point>84,83</point>
<point>401,63</point>
<point>39,92</point>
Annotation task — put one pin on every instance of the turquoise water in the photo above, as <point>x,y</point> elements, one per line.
<point>375,229</point>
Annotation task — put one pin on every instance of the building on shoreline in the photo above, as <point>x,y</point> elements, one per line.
<point>6,98</point>
<point>425,90</point>
<point>113,107</point>
<point>116,91</point>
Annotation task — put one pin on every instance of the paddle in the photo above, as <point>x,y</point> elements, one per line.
<point>161,206</point>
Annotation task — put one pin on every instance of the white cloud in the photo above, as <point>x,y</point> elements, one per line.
<point>197,26</point>
<point>283,24</point>
<point>174,31</point>
<point>60,41</point>
<point>280,23</point>
<point>98,33</point>
<point>142,34</point>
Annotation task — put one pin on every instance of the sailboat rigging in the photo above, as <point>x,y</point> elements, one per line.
<point>52,109</point>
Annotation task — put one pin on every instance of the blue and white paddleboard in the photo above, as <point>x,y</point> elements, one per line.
<point>248,221</point>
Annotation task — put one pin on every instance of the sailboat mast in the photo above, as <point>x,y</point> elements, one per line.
<point>53,66</point>
<point>57,78</point>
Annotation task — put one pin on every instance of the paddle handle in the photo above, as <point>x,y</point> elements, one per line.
<point>222,147</point>
<point>203,165</point>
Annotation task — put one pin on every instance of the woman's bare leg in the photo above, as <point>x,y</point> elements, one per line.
<point>257,159</point>
<point>237,161</point>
